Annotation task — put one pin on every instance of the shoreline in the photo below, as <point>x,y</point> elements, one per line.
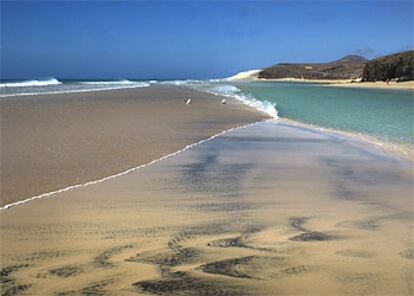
<point>404,151</point>
<point>50,142</point>
<point>128,171</point>
<point>398,150</point>
<point>404,85</point>
<point>359,140</point>
<point>11,96</point>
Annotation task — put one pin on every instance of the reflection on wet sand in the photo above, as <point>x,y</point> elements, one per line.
<point>272,209</point>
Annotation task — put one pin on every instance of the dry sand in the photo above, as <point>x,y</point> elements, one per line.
<point>49,142</point>
<point>272,209</point>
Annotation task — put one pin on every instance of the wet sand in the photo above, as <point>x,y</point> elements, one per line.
<point>49,142</point>
<point>272,209</point>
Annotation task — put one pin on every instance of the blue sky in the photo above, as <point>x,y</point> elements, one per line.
<point>193,39</point>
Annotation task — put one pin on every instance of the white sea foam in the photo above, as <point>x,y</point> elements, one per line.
<point>116,84</point>
<point>89,86</point>
<point>106,82</point>
<point>224,89</point>
<point>188,82</point>
<point>30,83</point>
<point>232,91</point>
<point>48,194</point>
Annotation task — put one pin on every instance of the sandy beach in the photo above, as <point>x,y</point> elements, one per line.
<point>378,84</point>
<point>133,164</point>
<point>53,141</point>
<point>348,83</point>
<point>270,209</point>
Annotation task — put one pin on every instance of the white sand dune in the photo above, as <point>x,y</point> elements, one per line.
<point>250,74</point>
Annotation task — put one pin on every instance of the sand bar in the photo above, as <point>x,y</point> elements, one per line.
<point>405,85</point>
<point>49,142</point>
<point>272,209</point>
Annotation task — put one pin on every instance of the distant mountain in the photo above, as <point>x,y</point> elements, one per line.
<point>399,66</point>
<point>348,67</point>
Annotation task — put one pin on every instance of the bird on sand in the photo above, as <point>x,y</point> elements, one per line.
<point>223,101</point>
<point>188,101</point>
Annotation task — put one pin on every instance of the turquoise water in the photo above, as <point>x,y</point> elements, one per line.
<point>384,114</point>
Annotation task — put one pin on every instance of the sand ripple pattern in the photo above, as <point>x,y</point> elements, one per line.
<point>274,222</point>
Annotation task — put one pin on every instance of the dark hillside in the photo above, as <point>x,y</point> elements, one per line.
<point>399,66</point>
<point>346,68</point>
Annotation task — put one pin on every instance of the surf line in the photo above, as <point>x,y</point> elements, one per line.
<point>7,206</point>
<point>74,91</point>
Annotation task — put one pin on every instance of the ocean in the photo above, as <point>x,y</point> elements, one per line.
<point>384,116</point>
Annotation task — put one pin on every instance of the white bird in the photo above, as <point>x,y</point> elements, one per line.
<point>188,101</point>
<point>223,101</point>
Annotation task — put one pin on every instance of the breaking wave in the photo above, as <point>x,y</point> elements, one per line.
<point>217,87</point>
<point>31,83</point>
<point>233,91</point>
<point>106,82</point>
